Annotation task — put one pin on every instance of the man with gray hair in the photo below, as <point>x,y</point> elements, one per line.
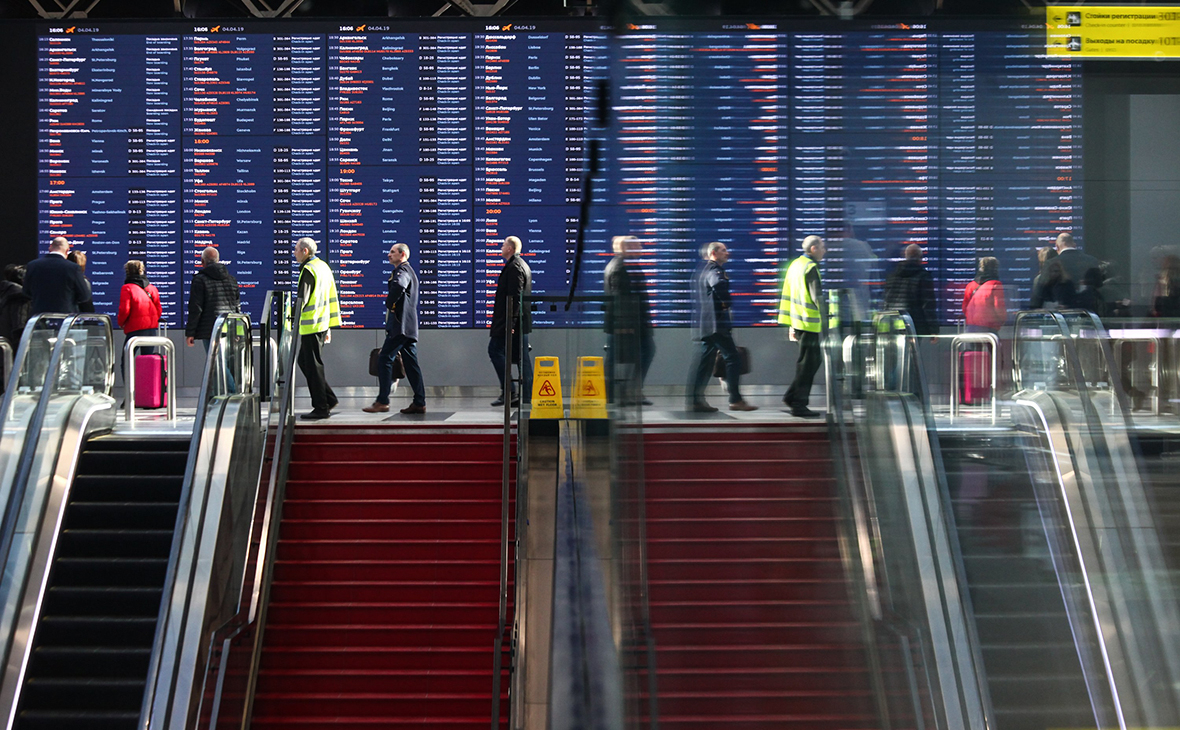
<point>55,284</point>
<point>214,291</point>
<point>802,308</point>
<point>515,282</point>
<point>401,334</point>
<point>713,327</point>
<point>318,314</point>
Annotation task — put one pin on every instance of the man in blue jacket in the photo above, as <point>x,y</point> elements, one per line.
<point>55,284</point>
<point>401,334</point>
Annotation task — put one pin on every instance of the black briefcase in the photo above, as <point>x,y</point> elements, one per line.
<point>399,367</point>
<point>719,363</point>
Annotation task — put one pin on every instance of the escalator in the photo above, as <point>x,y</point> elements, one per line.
<point>1049,561</point>
<point>1030,659</point>
<point>123,544</point>
<point>91,648</point>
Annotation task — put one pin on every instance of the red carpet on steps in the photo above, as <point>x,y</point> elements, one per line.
<point>753,625</point>
<point>386,590</point>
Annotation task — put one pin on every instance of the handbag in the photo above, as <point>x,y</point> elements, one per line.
<point>399,367</point>
<point>719,363</point>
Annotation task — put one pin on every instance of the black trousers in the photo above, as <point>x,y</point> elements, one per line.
<point>810,358</point>
<point>311,363</point>
<point>702,367</point>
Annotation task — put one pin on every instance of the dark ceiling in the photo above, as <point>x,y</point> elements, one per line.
<point>421,8</point>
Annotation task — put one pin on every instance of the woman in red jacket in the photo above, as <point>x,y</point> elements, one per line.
<point>983,299</point>
<point>139,305</point>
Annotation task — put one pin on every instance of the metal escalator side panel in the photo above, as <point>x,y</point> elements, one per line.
<point>921,581</point>
<point>59,447</point>
<point>955,603</point>
<point>216,589</point>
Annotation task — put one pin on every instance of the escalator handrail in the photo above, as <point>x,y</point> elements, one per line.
<point>248,602</point>
<point>211,386</point>
<point>7,350</point>
<point>912,370</point>
<point>28,451</point>
<point>273,508</point>
<point>1087,587</point>
<point>834,382</point>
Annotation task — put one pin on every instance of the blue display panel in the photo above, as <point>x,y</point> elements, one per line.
<point>157,140</point>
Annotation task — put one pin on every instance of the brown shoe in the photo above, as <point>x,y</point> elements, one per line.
<point>413,409</point>
<point>377,408</point>
<point>742,406</point>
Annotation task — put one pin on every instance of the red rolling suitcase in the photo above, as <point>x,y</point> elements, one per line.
<point>149,381</point>
<point>977,377</point>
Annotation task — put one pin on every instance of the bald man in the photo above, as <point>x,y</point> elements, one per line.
<point>910,288</point>
<point>214,291</point>
<point>1078,266</point>
<point>55,284</point>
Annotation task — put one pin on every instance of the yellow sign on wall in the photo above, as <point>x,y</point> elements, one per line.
<point>1113,31</point>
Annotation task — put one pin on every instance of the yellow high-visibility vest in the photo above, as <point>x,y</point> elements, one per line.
<point>322,310</point>
<point>796,307</point>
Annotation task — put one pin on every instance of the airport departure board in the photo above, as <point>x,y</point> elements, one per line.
<point>159,139</point>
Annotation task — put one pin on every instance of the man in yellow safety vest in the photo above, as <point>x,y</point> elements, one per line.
<point>319,313</point>
<point>801,308</point>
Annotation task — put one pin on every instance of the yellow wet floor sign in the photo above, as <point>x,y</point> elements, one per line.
<point>588,399</point>
<point>547,402</point>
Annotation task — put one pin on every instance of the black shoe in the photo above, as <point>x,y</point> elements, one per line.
<point>804,412</point>
<point>646,402</point>
<point>316,415</point>
<point>498,402</point>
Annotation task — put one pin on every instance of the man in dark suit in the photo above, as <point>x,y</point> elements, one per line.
<point>627,319</point>
<point>401,334</point>
<point>1076,263</point>
<point>713,327</point>
<point>516,280</point>
<point>55,284</point>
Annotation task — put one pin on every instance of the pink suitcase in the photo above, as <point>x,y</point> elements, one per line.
<point>149,381</point>
<point>977,378</point>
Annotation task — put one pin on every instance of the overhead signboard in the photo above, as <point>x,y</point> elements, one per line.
<point>1113,31</point>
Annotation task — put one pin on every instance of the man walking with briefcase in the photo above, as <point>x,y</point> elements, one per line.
<point>401,334</point>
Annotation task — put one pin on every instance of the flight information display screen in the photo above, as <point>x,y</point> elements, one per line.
<point>159,139</point>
